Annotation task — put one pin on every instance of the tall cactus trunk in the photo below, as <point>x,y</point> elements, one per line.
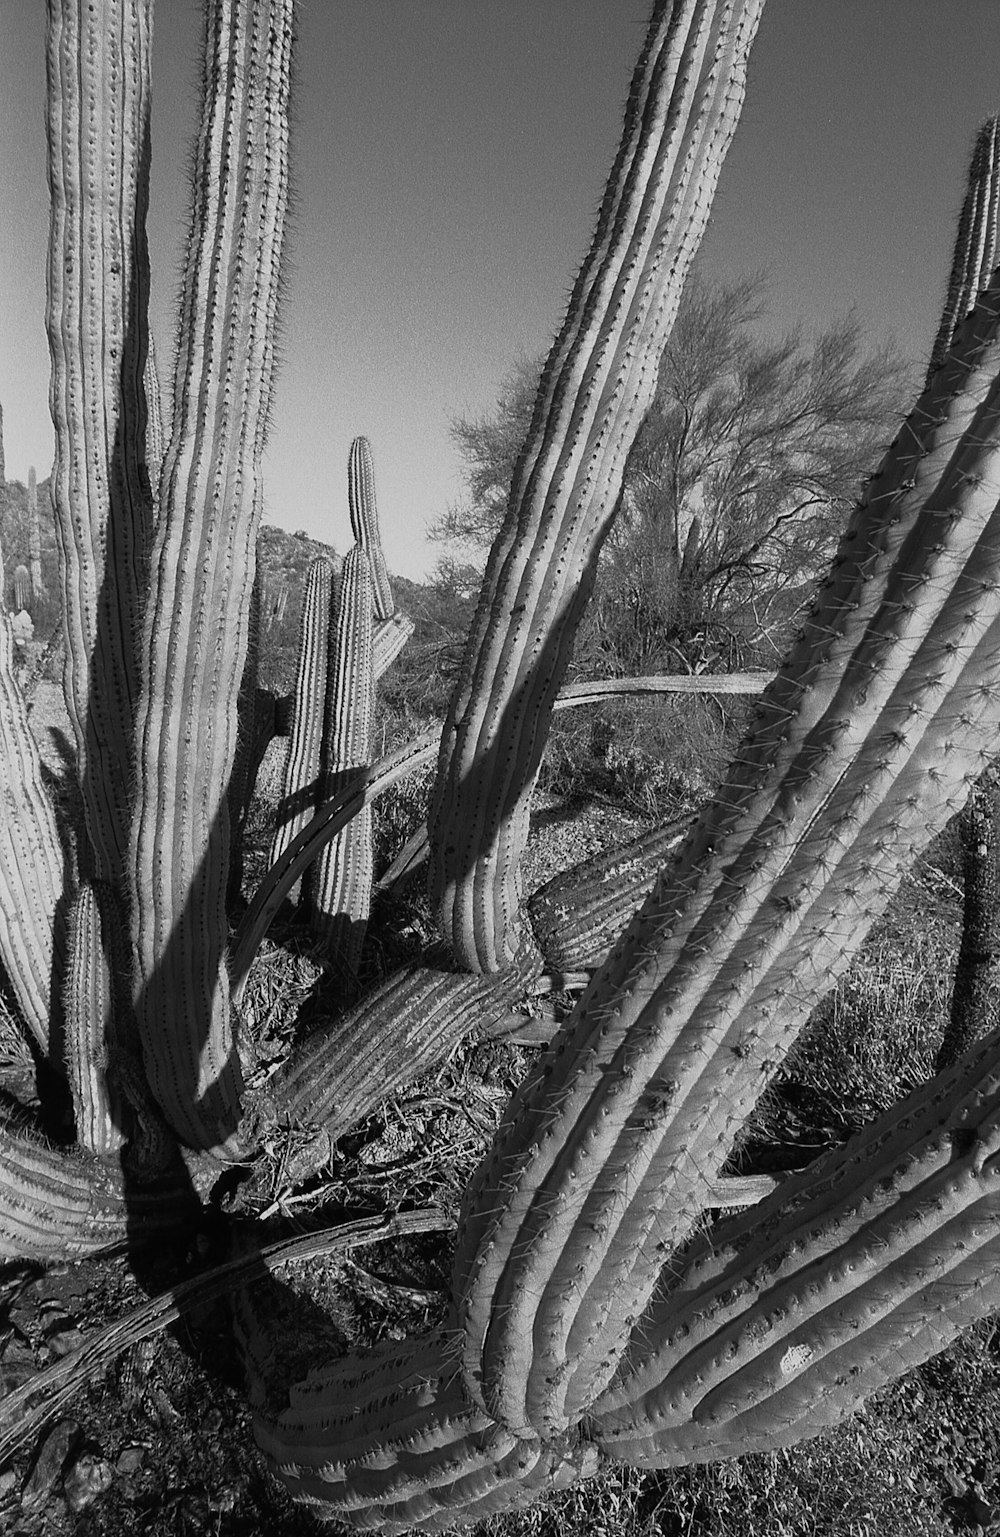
<point>98,155</point>
<point>194,635</point>
<point>595,389</point>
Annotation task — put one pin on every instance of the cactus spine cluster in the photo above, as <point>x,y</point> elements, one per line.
<point>570,1338</point>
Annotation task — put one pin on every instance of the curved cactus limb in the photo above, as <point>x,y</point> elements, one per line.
<point>777,1324</point>
<point>596,386</point>
<point>386,1440</point>
<point>866,742</point>
<point>98,281</point>
<point>202,569</point>
<point>32,864</point>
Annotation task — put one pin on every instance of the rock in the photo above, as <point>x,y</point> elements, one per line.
<point>89,1477</point>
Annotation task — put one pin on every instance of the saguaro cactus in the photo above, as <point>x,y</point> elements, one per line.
<point>34,540</point>
<point>588,1320</point>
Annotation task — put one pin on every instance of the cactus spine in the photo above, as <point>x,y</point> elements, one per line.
<point>597,384</point>
<point>202,568</point>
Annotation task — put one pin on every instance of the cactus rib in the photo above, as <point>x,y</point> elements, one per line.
<point>866,742</point>
<point>202,569</point>
<point>597,384</point>
<point>98,279</point>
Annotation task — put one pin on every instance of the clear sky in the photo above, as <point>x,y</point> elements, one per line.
<point>449,159</point>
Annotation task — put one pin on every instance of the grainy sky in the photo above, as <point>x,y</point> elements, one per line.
<point>450,156</point>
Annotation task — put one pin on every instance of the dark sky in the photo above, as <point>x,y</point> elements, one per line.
<point>450,156</point>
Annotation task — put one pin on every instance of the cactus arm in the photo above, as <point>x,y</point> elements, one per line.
<point>202,569</point>
<point>866,743</point>
<point>341,896</point>
<point>402,1030</point>
<point>594,392</point>
<point>89,1026</point>
<point>389,639</point>
<point>307,846</point>
<point>386,1440</point>
<point>301,783</point>
<point>364,523</point>
<point>577,915</point>
<point>98,280</point>
<point>56,1205</point>
<point>780,1322</point>
<point>31,859</point>
<point>975,251</point>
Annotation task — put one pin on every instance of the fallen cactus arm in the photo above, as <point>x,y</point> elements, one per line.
<point>24,1410</point>
<point>597,384</point>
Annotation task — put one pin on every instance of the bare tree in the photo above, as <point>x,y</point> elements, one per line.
<point>739,483</point>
